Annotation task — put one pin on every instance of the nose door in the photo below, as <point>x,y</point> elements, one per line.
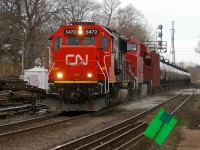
<point>81,61</point>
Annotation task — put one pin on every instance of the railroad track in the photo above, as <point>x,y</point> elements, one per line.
<point>119,136</point>
<point>20,109</point>
<point>28,130</point>
<point>33,125</point>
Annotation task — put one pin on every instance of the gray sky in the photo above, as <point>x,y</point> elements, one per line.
<point>186,15</point>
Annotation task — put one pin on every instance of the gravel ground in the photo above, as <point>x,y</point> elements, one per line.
<point>56,135</point>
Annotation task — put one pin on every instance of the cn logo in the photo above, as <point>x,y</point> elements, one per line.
<point>77,58</point>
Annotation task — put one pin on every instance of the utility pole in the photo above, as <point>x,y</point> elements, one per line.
<point>22,73</point>
<point>21,76</point>
<point>172,52</point>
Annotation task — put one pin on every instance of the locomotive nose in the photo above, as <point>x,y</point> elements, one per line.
<point>81,63</point>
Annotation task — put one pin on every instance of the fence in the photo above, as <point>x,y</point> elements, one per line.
<point>9,69</point>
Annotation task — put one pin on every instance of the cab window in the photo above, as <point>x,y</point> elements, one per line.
<point>104,43</point>
<point>73,41</point>
<point>132,47</point>
<point>58,42</point>
<point>89,41</point>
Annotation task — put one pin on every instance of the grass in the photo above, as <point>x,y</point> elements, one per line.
<point>176,134</point>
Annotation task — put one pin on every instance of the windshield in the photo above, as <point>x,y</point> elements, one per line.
<point>73,41</point>
<point>131,47</point>
<point>89,41</point>
<point>81,41</point>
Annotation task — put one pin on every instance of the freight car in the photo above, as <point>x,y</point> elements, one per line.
<point>91,67</point>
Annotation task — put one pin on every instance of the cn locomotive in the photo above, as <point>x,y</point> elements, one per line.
<point>92,67</point>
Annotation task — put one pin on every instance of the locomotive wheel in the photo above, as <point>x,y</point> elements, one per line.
<point>132,94</point>
<point>113,97</point>
<point>139,91</point>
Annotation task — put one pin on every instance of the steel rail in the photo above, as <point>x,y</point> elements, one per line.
<point>39,127</point>
<point>18,108</point>
<point>130,143</point>
<point>125,135</point>
<point>174,111</point>
<point>109,136</point>
<point>29,121</point>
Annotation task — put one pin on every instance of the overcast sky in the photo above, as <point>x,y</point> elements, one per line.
<point>186,16</point>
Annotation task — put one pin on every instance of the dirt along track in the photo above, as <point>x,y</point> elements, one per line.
<point>187,118</point>
<point>59,134</point>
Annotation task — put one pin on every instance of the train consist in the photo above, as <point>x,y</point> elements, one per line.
<point>91,67</point>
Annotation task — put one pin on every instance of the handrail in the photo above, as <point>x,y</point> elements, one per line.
<point>48,75</point>
<point>107,71</point>
<point>104,77</point>
<point>51,68</point>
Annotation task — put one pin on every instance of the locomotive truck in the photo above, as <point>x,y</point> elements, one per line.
<point>92,67</point>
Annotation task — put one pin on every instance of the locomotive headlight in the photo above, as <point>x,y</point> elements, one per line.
<point>80,27</point>
<point>80,31</point>
<point>89,75</point>
<point>59,75</point>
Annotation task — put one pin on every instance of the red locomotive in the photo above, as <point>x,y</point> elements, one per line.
<point>92,66</point>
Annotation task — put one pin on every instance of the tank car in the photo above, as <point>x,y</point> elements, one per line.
<point>173,75</point>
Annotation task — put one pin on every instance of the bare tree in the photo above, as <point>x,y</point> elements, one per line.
<point>10,36</point>
<point>131,22</point>
<point>96,15</point>
<point>32,21</point>
<point>27,20</point>
<point>32,15</point>
<point>109,8</point>
<point>197,48</point>
<point>194,71</point>
<point>76,10</point>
